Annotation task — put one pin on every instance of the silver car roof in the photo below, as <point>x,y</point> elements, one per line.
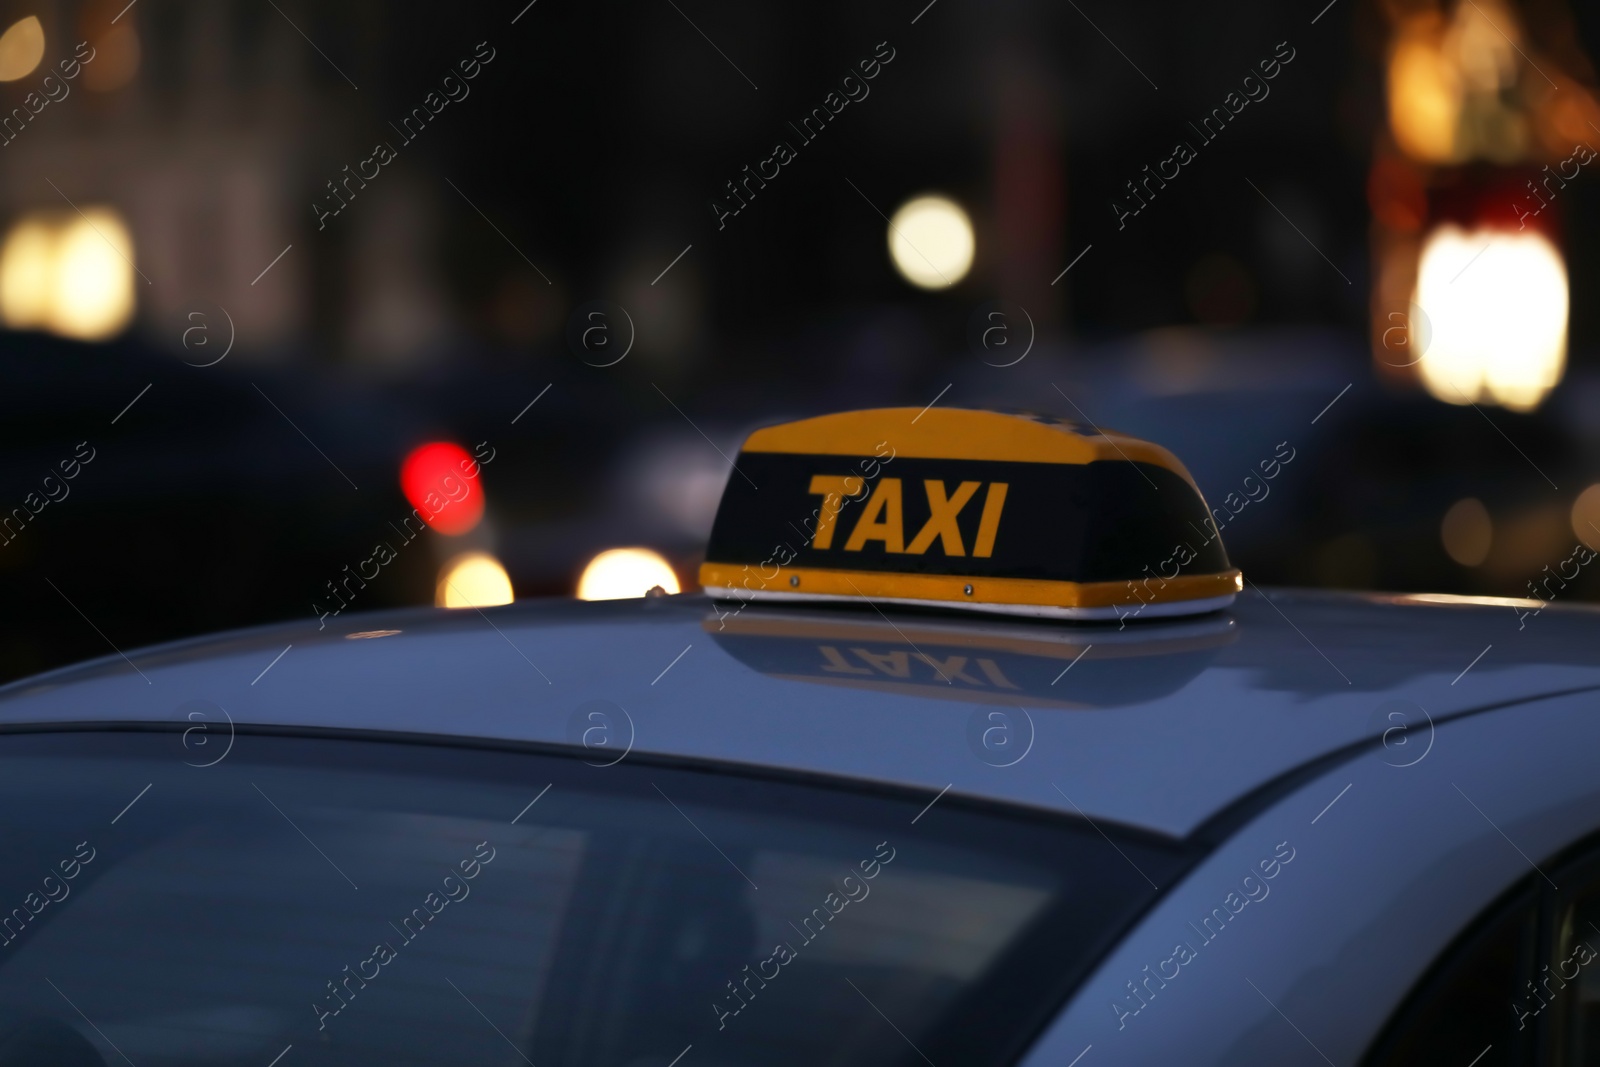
<point>1161,725</point>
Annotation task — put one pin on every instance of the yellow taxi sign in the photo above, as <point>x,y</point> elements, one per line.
<point>952,508</point>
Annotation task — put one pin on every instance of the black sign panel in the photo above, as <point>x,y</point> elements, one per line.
<point>1096,522</point>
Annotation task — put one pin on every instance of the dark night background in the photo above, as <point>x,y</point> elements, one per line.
<point>1219,321</point>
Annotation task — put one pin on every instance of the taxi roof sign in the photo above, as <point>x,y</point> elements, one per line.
<point>977,510</point>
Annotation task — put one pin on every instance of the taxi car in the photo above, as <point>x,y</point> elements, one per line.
<point>943,808</point>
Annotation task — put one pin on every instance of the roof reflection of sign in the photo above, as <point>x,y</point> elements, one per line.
<point>998,663</point>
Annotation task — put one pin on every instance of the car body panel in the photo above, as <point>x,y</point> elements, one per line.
<point>1387,874</point>
<point>1159,725</point>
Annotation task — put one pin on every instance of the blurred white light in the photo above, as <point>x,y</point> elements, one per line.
<point>21,48</point>
<point>619,573</point>
<point>69,274</point>
<point>27,274</point>
<point>473,580</point>
<point>930,240</point>
<point>1497,301</point>
<point>94,276</point>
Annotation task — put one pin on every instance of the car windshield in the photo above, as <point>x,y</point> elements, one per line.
<point>352,901</point>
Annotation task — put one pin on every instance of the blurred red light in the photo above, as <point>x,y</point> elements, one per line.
<point>440,480</point>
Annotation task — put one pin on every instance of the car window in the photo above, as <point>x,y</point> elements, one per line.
<point>1462,1013</point>
<point>364,902</point>
<point>1571,981</point>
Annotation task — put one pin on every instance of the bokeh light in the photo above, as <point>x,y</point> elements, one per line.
<point>1497,301</point>
<point>1586,517</point>
<point>27,274</point>
<point>1461,87</point>
<point>1467,532</point>
<point>94,276</point>
<point>21,48</point>
<point>71,274</point>
<point>1424,99</point>
<point>440,480</point>
<point>620,573</point>
<point>931,242</point>
<point>473,580</point>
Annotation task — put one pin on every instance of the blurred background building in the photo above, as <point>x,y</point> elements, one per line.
<point>1372,255</point>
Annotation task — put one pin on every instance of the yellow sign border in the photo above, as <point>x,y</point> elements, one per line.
<point>953,588</point>
<point>956,433</point>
